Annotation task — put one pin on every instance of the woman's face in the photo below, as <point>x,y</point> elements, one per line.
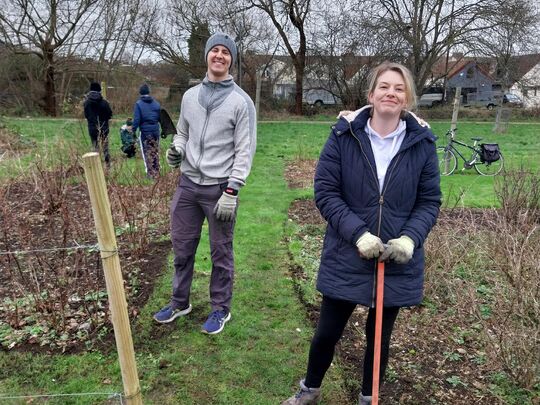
<point>389,97</point>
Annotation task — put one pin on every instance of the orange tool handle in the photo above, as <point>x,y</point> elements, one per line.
<point>378,333</point>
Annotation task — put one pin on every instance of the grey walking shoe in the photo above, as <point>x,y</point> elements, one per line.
<point>364,400</point>
<point>306,396</point>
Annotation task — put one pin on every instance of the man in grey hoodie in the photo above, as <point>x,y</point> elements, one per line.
<point>214,148</point>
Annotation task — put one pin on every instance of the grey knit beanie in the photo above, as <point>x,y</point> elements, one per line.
<point>221,39</point>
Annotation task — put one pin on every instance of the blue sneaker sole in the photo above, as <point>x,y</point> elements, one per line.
<point>177,314</point>
<point>227,319</point>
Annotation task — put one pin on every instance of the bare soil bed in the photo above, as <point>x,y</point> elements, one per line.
<point>52,288</point>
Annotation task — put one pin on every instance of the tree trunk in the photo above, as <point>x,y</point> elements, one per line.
<point>49,98</point>
<point>299,70</point>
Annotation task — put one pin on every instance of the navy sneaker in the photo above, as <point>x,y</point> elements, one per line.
<point>168,314</point>
<point>216,322</point>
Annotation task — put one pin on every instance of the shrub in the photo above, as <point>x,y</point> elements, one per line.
<point>485,264</point>
<point>53,290</point>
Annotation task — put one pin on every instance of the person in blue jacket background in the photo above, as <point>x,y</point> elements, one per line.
<point>146,118</point>
<point>377,186</point>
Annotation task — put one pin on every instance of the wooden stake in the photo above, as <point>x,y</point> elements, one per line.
<point>101,209</point>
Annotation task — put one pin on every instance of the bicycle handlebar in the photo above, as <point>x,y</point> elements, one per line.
<point>451,132</point>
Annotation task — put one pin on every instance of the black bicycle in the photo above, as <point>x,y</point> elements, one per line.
<point>486,158</point>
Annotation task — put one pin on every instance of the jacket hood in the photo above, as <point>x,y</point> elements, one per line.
<point>94,96</point>
<point>229,81</point>
<point>146,98</point>
<point>213,94</point>
<point>357,120</point>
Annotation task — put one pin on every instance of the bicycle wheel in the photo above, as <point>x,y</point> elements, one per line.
<point>447,161</point>
<point>490,169</point>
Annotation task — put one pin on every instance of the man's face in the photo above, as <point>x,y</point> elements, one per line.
<point>219,61</point>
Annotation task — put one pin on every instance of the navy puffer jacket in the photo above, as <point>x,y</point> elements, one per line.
<point>146,115</point>
<point>347,195</point>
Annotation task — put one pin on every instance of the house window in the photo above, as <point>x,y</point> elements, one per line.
<point>470,73</point>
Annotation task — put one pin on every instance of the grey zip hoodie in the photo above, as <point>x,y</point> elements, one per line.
<point>216,133</point>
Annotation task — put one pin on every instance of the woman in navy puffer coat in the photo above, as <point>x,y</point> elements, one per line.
<point>347,195</point>
<point>377,186</point>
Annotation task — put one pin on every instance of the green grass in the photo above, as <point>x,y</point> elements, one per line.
<point>263,350</point>
<point>520,147</point>
<point>54,139</point>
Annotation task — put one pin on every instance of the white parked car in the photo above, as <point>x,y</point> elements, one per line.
<point>320,97</point>
<point>431,97</point>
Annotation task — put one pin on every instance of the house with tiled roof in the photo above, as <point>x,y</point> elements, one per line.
<point>527,83</point>
<point>475,79</point>
<point>481,77</point>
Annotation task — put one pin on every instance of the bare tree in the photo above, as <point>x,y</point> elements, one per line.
<point>256,40</point>
<point>344,47</point>
<point>428,28</point>
<point>514,32</point>
<point>43,27</point>
<point>19,81</point>
<point>283,14</point>
<point>170,34</point>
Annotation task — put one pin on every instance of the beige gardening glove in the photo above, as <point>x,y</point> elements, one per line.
<point>399,250</point>
<point>225,209</point>
<point>369,246</point>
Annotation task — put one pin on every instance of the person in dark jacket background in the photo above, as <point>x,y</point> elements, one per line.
<point>146,118</point>
<point>377,186</point>
<point>97,112</point>
<point>127,139</point>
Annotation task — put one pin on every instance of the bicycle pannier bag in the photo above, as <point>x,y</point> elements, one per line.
<point>490,152</point>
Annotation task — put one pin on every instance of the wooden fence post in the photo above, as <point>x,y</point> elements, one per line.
<point>104,89</point>
<point>101,209</point>
<point>258,95</point>
<point>457,102</point>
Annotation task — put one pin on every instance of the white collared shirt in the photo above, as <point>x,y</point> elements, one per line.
<point>385,148</point>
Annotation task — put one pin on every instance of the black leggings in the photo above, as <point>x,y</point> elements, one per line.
<point>333,318</point>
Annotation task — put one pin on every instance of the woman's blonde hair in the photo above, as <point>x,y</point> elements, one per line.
<point>410,90</point>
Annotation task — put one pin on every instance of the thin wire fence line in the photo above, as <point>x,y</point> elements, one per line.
<point>47,250</point>
<point>110,395</point>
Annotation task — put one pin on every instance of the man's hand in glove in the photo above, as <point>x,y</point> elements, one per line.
<point>369,246</point>
<point>225,209</point>
<point>399,250</point>
<point>174,158</point>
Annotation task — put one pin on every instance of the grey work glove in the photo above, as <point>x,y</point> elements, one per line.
<point>369,246</point>
<point>399,250</point>
<point>225,209</point>
<point>174,158</point>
